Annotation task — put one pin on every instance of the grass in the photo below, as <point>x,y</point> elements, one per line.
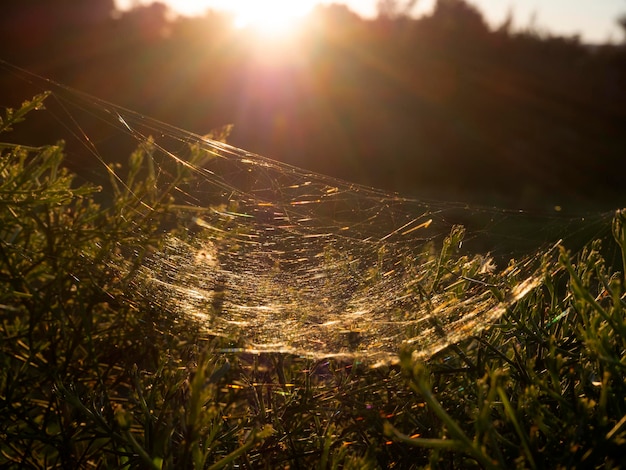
<point>92,375</point>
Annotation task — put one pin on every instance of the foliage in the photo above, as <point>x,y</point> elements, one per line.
<point>88,375</point>
<point>92,376</point>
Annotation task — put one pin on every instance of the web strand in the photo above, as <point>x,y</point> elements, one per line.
<point>280,259</point>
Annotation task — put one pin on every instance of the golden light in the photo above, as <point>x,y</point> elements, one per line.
<point>272,17</point>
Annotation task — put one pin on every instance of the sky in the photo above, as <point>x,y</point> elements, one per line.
<point>594,20</point>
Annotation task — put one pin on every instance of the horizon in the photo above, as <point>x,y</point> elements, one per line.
<point>595,22</point>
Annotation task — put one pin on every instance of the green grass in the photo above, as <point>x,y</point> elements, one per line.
<point>92,375</point>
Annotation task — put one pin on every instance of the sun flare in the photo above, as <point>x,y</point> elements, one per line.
<point>270,17</point>
<point>273,17</point>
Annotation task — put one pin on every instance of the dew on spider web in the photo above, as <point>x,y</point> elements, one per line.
<point>280,259</point>
<point>283,260</point>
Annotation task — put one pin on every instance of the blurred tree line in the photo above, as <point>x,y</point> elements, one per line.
<point>438,106</point>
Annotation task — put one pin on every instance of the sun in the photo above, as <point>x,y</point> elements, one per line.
<point>269,17</point>
<point>273,17</point>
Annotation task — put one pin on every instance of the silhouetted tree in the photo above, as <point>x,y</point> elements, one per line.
<point>51,34</point>
<point>394,9</point>
<point>459,18</point>
<point>621,21</point>
<point>147,23</point>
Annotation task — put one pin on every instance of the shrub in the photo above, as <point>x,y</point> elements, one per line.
<point>93,375</point>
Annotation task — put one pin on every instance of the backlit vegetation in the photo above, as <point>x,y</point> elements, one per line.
<point>93,376</point>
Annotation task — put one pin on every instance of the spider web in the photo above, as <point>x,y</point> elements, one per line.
<point>280,259</point>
